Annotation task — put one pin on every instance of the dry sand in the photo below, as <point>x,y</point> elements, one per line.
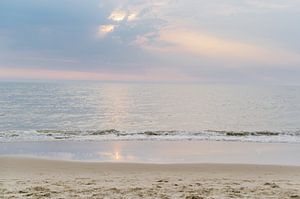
<point>37,178</point>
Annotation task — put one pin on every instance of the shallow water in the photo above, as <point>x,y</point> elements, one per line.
<point>87,111</point>
<point>158,152</point>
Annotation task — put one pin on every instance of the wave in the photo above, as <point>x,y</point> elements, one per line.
<point>113,134</point>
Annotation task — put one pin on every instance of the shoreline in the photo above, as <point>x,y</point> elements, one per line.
<point>39,178</point>
<point>53,160</point>
<point>166,152</point>
<point>21,158</point>
<point>149,169</point>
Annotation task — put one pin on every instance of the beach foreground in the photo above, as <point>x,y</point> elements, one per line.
<point>40,178</point>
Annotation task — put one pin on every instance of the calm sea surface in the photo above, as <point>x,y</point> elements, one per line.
<point>112,111</point>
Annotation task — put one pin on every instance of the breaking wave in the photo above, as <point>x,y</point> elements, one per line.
<point>113,134</point>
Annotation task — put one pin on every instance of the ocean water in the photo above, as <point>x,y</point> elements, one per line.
<point>132,111</point>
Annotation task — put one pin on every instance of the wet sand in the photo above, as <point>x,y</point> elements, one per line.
<point>159,151</point>
<point>22,177</point>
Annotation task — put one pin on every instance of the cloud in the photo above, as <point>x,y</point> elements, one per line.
<point>105,29</point>
<point>161,74</point>
<point>200,38</point>
<point>271,4</point>
<point>132,16</point>
<point>117,15</point>
<point>203,45</point>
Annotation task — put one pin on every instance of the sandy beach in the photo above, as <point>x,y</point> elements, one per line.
<point>39,178</point>
<point>160,99</point>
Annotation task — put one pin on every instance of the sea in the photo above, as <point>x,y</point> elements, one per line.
<point>100,111</point>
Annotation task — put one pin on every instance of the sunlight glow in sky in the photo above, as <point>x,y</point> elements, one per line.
<point>117,15</point>
<point>214,41</point>
<point>104,29</point>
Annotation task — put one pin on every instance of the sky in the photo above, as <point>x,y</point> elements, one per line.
<point>206,41</point>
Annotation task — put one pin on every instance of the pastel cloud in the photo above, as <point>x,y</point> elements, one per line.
<point>105,29</point>
<point>132,16</point>
<point>217,40</point>
<point>271,4</point>
<point>146,75</point>
<point>204,45</point>
<point>117,15</point>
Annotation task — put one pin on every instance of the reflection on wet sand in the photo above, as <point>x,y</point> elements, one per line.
<point>159,152</point>
<point>116,154</point>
